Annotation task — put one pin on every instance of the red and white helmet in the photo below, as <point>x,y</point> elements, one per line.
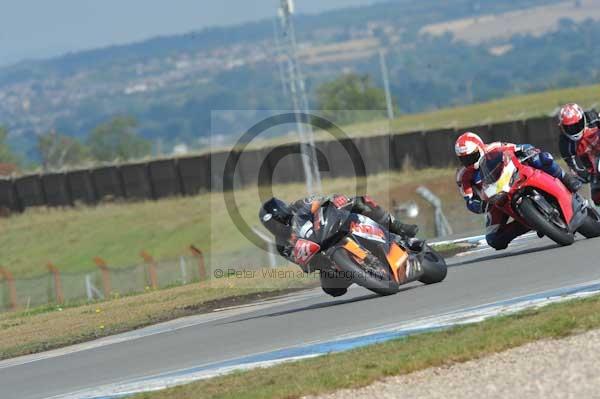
<point>469,148</point>
<point>572,121</point>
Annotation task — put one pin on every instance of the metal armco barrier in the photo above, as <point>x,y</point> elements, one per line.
<point>196,174</point>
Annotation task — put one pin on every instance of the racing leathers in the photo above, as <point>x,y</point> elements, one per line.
<point>363,205</point>
<point>499,233</point>
<point>582,155</point>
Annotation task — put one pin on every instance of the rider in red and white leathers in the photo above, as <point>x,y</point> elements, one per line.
<point>469,148</point>
<point>580,144</point>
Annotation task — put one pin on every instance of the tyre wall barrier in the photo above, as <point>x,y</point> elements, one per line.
<point>197,174</point>
<point>511,132</point>
<point>440,147</point>
<point>375,153</point>
<point>81,186</point>
<point>108,183</point>
<point>285,163</point>
<point>217,171</point>
<point>136,181</point>
<point>339,162</point>
<point>56,189</point>
<point>164,178</point>
<point>30,191</point>
<point>248,167</point>
<point>410,149</point>
<point>8,195</point>
<point>544,133</point>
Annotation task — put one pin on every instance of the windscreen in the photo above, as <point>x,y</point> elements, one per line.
<point>491,166</point>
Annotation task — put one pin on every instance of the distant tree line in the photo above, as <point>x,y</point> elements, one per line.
<point>114,140</point>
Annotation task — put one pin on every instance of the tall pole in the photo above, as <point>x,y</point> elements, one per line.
<point>280,65</point>
<point>386,84</point>
<point>297,90</point>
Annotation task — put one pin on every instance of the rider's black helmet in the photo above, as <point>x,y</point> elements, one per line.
<point>276,216</point>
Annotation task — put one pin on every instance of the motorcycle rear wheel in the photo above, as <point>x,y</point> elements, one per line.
<point>591,226</point>
<point>538,221</point>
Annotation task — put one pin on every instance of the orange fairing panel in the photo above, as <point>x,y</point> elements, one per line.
<point>355,249</point>
<point>397,258</point>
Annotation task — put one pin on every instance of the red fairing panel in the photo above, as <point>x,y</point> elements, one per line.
<point>555,188</point>
<point>304,251</point>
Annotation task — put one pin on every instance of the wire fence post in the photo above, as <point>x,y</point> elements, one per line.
<point>12,289</point>
<point>201,265</point>
<point>58,288</point>
<point>105,275</point>
<point>151,264</point>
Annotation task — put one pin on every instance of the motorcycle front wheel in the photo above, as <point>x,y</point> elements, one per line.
<point>382,285</point>
<point>545,225</point>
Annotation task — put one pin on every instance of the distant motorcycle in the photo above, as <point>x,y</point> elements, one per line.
<point>352,248</point>
<point>536,199</point>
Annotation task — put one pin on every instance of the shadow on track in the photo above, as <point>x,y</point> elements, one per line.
<point>502,254</point>
<point>321,305</point>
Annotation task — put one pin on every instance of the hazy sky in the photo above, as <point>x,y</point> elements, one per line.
<point>43,28</point>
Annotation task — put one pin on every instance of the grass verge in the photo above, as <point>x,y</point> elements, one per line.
<point>451,249</point>
<point>361,367</point>
<point>48,328</point>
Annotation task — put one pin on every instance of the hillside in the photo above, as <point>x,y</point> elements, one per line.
<point>170,84</point>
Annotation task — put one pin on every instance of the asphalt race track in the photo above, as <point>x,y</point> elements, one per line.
<point>529,266</point>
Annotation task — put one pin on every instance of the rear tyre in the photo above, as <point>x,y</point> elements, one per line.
<point>538,221</point>
<point>381,285</point>
<point>434,266</point>
<point>591,226</point>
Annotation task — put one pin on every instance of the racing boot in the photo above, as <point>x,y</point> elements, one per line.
<point>414,244</point>
<point>571,182</point>
<point>404,230</point>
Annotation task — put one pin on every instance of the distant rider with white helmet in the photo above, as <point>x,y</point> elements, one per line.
<point>469,149</point>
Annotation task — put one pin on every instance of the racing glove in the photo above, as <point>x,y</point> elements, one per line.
<point>526,150</point>
<point>476,205</point>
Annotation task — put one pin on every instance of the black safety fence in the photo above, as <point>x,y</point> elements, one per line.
<point>191,175</point>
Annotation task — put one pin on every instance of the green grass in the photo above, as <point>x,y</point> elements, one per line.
<point>361,367</point>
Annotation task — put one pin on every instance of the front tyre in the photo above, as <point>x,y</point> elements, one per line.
<point>544,225</point>
<point>381,285</point>
<point>434,267</point>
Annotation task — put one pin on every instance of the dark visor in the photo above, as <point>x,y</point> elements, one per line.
<point>471,159</point>
<point>574,129</point>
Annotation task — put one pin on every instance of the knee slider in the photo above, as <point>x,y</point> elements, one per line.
<point>496,242</point>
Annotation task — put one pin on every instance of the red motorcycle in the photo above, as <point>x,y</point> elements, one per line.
<point>536,199</point>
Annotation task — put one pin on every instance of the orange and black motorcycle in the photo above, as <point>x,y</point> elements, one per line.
<point>349,248</point>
